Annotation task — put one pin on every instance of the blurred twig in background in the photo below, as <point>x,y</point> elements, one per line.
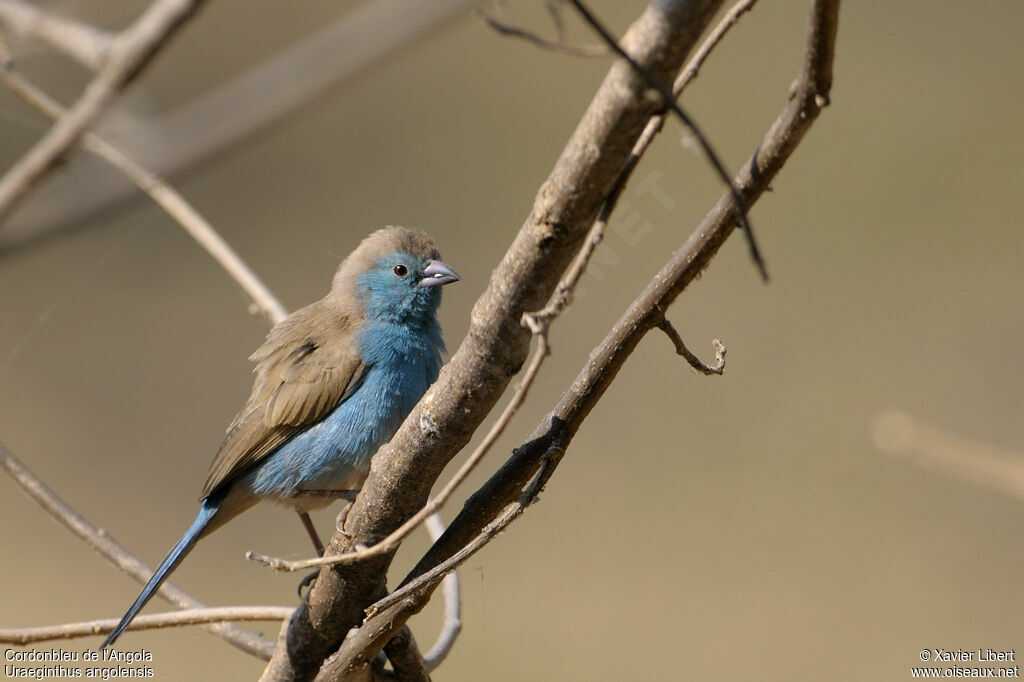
<point>129,52</point>
<point>176,140</point>
<point>897,433</point>
<point>116,555</point>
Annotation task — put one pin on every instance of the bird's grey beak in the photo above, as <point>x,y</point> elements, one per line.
<point>437,274</point>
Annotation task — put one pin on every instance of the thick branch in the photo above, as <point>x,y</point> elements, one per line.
<point>646,312</point>
<point>496,345</point>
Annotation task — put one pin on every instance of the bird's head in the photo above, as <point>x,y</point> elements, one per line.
<point>397,275</point>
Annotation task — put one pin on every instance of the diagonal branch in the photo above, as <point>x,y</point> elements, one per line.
<point>407,601</point>
<point>117,555</point>
<point>165,196</point>
<point>130,52</point>
<point>89,45</point>
<point>544,43</point>
<point>496,345</point>
<point>669,100</point>
<point>807,97</point>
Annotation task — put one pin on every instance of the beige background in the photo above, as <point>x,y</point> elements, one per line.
<point>742,527</point>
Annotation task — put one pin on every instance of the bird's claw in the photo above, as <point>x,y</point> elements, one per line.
<point>307,581</point>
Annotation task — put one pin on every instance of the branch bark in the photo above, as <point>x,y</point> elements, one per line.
<point>496,345</point>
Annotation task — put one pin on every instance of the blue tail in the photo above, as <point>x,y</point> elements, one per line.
<point>180,551</point>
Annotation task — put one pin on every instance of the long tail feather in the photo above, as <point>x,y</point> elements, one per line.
<point>170,562</point>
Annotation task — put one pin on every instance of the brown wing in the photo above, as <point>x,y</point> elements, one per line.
<point>307,366</point>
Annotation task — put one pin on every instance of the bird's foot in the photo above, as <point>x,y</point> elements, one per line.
<point>339,522</point>
<point>307,581</point>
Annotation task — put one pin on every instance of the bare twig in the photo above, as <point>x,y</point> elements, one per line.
<point>165,196</point>
<point>980,463</point>
<point>670,101</point>
<point>452,624</point>
<point>544,43</point>
<point>180,138</point>
<point>694,361</point>
<point>117,555</point>
<point>538,322</point>
<point>156,621</point>
<point>87,44</point>
<point>129,52</point>
<point>710,43</point>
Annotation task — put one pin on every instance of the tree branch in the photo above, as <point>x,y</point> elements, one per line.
<point>87,44</point>
<point>670,101</point>
<point>982,464</point>
<point>156,621</point>
<point>496,345</point>
<point>543,43</point>
<point>694,361</point>
<point>409,599</point>
<point>174,141</point>
<point>118,556</point>
<point>165,196</point>
<point>645,313</point>
<point>129,52</point>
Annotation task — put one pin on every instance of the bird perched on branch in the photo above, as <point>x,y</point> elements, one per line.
<point>334,381</point>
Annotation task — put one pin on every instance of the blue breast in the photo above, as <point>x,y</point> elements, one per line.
<point>334,454</point>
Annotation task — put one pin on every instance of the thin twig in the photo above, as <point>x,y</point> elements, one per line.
<point>164,195</point>
<point>117,555</point>
<point>544,43</point>
<point>688,74</point>
<point>452,624</point>
<point>670,101</point>
<point>982,464</point>
<point>694,361</point>
<point>87,44</point>
<point>538,322</point>
<point>129,52</point>
<point>155,621</point>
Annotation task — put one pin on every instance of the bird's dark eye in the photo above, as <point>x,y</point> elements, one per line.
<point>400,270</point>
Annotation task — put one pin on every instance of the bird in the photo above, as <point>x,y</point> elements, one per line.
<point>333,382</point>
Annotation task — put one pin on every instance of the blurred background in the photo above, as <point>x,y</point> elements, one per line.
<point>735,527</point>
